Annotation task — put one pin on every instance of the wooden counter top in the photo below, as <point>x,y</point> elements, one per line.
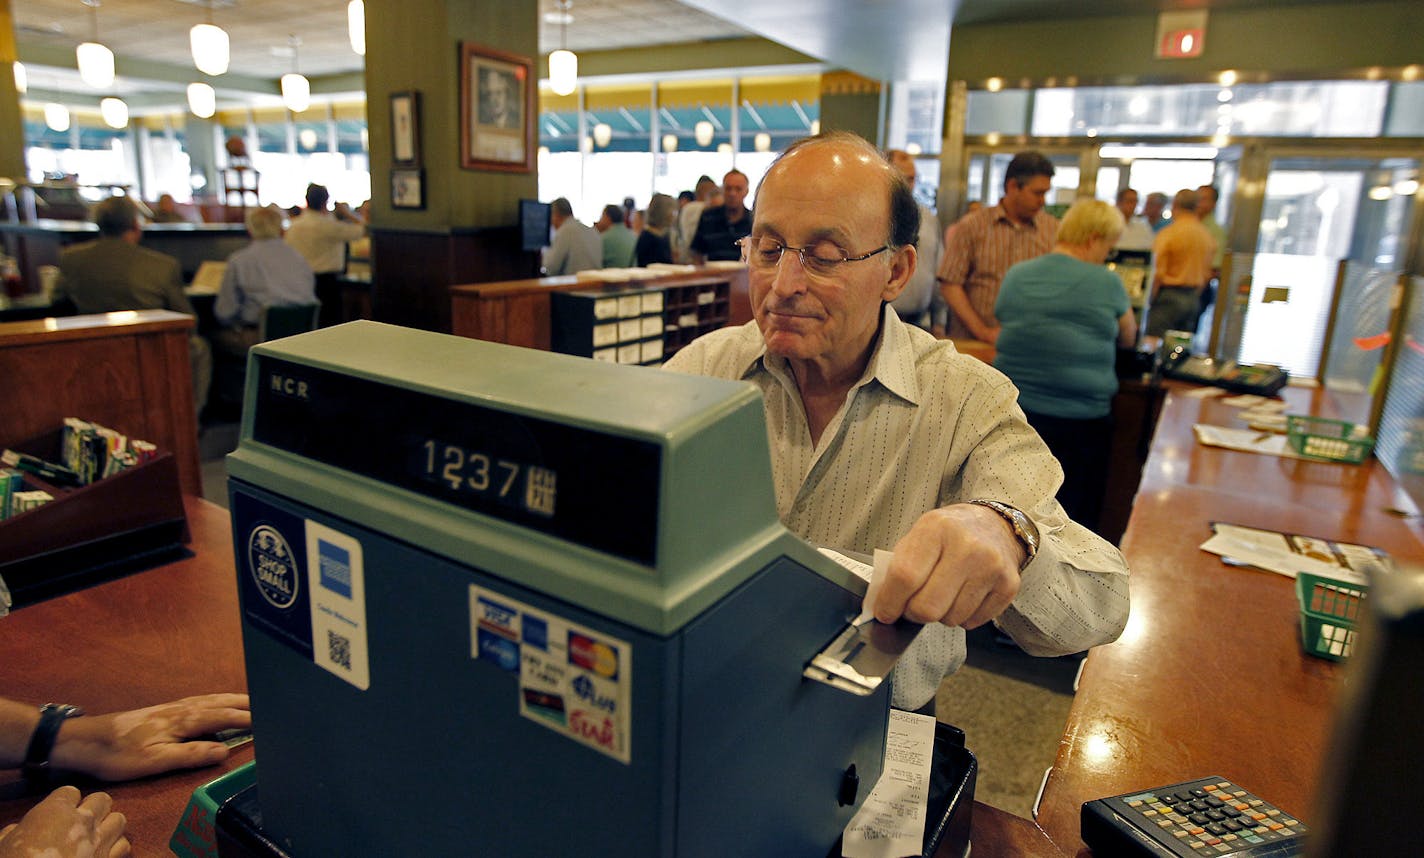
<point>155,636</point>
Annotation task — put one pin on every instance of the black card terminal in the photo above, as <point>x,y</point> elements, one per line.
<point>1195,819</point>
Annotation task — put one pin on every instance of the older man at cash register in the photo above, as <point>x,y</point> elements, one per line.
<point>884,437</point>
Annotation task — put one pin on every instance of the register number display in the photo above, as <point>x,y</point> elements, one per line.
<point>588,486</point>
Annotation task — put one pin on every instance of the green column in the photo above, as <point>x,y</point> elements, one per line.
<point>12,131</point>
<point>850,102</point>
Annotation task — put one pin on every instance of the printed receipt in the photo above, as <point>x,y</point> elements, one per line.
<point>873,575</point>
<point>891,823</point>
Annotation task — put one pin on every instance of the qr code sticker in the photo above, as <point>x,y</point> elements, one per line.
<point>338,648</point>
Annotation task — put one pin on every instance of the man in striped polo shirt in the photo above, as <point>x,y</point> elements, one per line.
<point>985,244</point>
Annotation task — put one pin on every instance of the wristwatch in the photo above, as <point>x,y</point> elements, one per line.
<point>52,717</point>
<point>1024,528</point>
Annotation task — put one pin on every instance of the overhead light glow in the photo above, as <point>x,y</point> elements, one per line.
<point>96,64</point>
<point>210,48</point>
<point>587,145</point>
<point>1407,188</point>
<point>724,148</point>
<point>56,117</point>
<point>1139,105</point>
<point>356,25</point>
<point>1224,95</point>
<point>669,142</point>
<point>563,72</point>
<point>296,92</point>
<point>762,142</point>
<point>815,127</point>
<point>702,133</point>
<point>202,100</point>
<point>912,149</point>
<point>114,111</point>
<point>22,80</point>
<point>602,134</point>
<point>994,84</point>
<point>1227,78</point>
<point>1381,192</point>
<point>307,138</point>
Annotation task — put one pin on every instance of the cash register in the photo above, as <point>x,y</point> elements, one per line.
<point>497,601</point>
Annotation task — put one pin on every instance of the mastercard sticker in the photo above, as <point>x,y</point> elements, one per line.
<point>573,680</point>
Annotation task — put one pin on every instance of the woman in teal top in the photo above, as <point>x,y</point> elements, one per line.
<point>1062,316</point>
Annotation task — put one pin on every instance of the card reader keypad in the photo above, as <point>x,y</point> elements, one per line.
<point>1210,816</point>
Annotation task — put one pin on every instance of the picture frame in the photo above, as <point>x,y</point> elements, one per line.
<point>405,128</point>
<point>408,188</point>
<point>497,110</point>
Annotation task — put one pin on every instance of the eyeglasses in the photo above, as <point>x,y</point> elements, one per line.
<point>821,259</point>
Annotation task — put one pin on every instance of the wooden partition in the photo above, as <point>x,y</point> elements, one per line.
<point>517,312</point>
<point>129,371</point>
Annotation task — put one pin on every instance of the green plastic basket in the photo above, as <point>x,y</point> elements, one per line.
<point>1328,440</point>
<point>1329,609</point>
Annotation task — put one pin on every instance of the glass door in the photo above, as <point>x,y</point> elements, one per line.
<point>1316,211</point>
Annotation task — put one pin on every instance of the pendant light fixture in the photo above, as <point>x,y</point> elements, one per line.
<point>210,46</point>
<point>202,100</point>
<point>22,78</point>
<point>96,62</point>
<point>669,142</point>
<point>356,25</point>
<point>702,133</point>
<point>563,63</point>
<point>56,117</point>
<point>296,89</point>
<point>114,112</point>
<point>603,134</point>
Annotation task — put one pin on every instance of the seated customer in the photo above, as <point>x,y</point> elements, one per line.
<point>1062,316</point>
<point>113,273</point>
<point>618,240</point>
<point>266,273</point>
<point>118,746</point>
<point>166,211</point>
<point>654,242</point>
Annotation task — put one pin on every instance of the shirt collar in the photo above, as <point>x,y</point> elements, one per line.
<point>892,361</point>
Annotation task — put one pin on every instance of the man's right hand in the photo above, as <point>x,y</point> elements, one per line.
<point>62,826</point>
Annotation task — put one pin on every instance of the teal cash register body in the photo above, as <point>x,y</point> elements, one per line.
<point>500,601</point>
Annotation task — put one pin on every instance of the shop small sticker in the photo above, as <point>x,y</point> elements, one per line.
<point>270,561</point>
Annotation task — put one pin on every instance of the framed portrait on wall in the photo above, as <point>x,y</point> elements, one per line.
<point>408,188</point>
<point>496,110</point>
<point>405,128</point>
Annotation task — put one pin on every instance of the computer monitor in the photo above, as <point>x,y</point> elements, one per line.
<point>534,225</point>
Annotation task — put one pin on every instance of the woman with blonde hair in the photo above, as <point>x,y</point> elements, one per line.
<point>1063,315</point>
<point>654,244</point>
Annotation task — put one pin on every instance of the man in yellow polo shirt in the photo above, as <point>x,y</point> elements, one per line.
<point>1182,253</point>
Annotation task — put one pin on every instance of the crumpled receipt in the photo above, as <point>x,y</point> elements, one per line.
<point>891,822</point>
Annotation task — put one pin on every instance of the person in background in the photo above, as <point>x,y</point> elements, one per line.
<point>882,436</point>
<point>653,242</point>
<point>921,303</point>
<point>721,226</point>
<point>268,272</point>
<point>1062,317</point>
<point>320,237</point>
<point>114,747</point>
<point>166,211</point>
<point>1206,211</point>
<point>988,242</point>
<point>576,246</point>
<point>689,216</point>
<point>114,273</point>
<point>1136,233</point>
<point>617,239</point>
<point>1154,211</point>
<point>1181,257</point>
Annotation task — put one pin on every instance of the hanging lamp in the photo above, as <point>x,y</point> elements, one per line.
<point>356,25</point>
<point>296,89</point>
<point>209,42</point>
<point>563,63</point>
<point>114,112</point>
<point>96,62</point>
<point>202,100</point>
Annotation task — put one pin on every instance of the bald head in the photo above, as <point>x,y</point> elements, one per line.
<point>840,155</point>
<point>1185,201</point>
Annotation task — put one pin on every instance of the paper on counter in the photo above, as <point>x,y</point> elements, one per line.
<point>1245,400</point>
<point>1245,440</point>
<point>891,822</point>
<point>1202,392</point>
<point>1272,552</point>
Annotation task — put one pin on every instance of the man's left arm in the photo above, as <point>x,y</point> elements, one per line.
<point>964,564</point>
<point>176,299</point>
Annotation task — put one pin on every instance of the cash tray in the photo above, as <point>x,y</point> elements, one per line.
<point>111,527</point>
<point>953,772</point>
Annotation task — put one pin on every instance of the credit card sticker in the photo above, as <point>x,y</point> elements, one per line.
<point>337,583</point>
<point>572,679</point>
